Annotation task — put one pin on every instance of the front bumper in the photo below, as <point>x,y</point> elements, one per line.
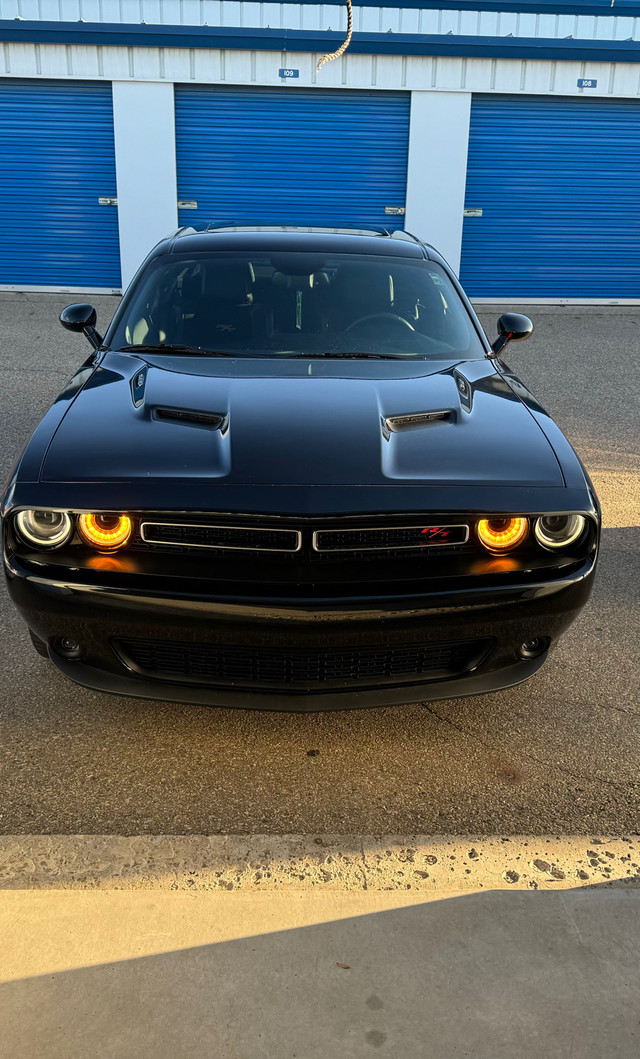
<point>494,622</point>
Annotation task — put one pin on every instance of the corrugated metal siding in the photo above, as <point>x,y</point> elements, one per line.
<point>58,157</point>
<point>291,156</point>
<point>545,18</point>
<point>558,183</point>
<point>378,72</point>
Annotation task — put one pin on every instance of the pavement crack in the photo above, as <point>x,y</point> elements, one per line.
<point>582,777</point>
<point>363,868</point>
<point>572,922</point>
<point>607,706</point>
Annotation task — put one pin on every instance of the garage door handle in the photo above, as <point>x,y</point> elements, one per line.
<point>104,201</point>
<point>187,204</point>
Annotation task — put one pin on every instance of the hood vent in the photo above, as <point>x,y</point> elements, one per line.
<point>138,383</point>
<point>415,419</point>
<point>208,419</point>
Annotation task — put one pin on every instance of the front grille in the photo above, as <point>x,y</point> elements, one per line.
<point>304,542</point>
<point>239,538</point>
<point>294,668</point>
<point>390,538</point>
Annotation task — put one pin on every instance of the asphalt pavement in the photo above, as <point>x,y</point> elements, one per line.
<point>558,754</point>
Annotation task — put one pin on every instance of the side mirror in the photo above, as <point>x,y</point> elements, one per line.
<point>512,327</point>
<point>81,317</point>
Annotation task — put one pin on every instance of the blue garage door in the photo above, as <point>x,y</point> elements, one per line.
<point>558,184</point>
<point>58,159</point>
<point>289,156</point>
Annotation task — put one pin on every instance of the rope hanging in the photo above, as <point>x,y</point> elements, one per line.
<point>345,44</point>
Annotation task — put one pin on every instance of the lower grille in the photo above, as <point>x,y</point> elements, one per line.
<point>299,668</point>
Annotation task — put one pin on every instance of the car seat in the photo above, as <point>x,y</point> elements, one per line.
<point>218,304</point>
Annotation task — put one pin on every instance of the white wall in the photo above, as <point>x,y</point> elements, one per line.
<point>144,125</point>
<point>385,72</point>
<point>603,24</point>
<point>437,172</point>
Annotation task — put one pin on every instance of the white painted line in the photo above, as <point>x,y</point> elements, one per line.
<point>512,300</point>
<point>24,288</point>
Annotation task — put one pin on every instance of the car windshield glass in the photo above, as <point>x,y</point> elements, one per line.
<point>297,304</point>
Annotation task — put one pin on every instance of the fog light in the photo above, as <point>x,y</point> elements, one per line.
<point>502,534</point>
<point>67,647</point>
<point>104,531</point>
<point>44,529</point>
<point>533,648</point>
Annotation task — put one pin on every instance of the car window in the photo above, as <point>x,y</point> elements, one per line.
<point>296,304</point>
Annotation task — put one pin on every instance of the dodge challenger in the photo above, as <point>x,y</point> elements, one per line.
<point>295,474</point>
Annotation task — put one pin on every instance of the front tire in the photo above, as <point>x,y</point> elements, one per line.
<point>39,644</point>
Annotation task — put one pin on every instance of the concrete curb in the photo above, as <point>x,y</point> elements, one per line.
<point>306,862</point>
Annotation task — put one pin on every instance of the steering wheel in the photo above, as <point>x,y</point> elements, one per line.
<point>392,317</point>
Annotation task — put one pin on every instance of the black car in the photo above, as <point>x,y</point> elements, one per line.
<point>294,474</point>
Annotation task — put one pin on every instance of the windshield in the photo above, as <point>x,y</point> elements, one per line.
<point>297,304</point>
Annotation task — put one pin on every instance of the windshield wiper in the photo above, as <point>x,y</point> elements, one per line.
<point>318,354</point>
<point>162,347</point>
<point>372,356</point>
<point>198,351</point>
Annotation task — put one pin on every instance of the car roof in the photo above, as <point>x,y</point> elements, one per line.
<point>378,243</point>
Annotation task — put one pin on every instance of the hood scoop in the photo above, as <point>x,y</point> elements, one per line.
<point>207,419</point>
<point>293,431</point>
<point>395,424</point>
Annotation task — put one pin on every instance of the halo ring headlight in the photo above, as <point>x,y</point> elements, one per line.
<point>44,529</point>
<point>501,535</point>
<point>105,531</point>
<point>558,531</point>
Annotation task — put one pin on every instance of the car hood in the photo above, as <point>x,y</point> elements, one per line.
<point>299,422</point>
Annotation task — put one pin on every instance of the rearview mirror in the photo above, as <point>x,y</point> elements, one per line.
<point>512,327</point>
<point>81,317</point>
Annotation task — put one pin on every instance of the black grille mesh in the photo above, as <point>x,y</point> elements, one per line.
<point>367,544</point>
<point>387,538</point>
<point>281,668</point>
<point>240,537</point>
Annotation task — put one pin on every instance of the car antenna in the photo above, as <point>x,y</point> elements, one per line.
<point>330,56</point>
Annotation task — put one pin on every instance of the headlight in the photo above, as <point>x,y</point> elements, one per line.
<point>105,532</point>
<point>558,531</point>
<point>45,529</point>
<point>502,534</point>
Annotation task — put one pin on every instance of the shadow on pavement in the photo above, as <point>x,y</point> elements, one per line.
<point>483,975</point>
